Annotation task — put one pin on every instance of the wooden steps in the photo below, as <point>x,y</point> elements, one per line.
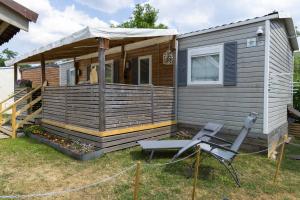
<point>294,129</point>
<point>7,130</point>
<point>3,136</point>
<point>21,112</point>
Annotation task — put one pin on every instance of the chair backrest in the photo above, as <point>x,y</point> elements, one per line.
<point>248,124</point>
<point>209,129</point>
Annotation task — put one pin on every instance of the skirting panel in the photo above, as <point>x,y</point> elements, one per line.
<point>115,142</point>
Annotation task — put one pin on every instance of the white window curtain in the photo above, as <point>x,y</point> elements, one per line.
<point>205,68</point>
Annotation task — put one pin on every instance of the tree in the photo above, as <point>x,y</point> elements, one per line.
<point>144,16</point>
<point>297,79</point>
<point>5,55</point>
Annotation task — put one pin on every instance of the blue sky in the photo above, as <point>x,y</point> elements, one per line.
<point>59,18</point>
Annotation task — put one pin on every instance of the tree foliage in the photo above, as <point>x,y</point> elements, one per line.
<point>297,79</point>
<point>144,16</point>
<point>5,55</point>
<point>297,31</point>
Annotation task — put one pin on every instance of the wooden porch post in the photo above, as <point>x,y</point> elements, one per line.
<point>15,74</point>
<point>123,63</point>
<point>43,68</point>
<point>103,44</point>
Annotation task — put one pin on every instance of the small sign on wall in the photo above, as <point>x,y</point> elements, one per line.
<point>251,42</point>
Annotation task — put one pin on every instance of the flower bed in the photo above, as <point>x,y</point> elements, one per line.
<point>73,148</point>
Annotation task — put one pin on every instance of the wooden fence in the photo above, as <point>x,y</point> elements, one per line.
<point>78,105</point>
<point>294,129</point>
<point>125,105</point>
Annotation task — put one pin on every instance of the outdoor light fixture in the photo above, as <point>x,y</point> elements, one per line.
<point>168,57</point>
<point>260,31</point>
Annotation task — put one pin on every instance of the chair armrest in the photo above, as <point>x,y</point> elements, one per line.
<point>217,138</point>
<point>219,146</point>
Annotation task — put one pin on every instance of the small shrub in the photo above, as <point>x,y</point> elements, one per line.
<point>35,129</point>
<point>24,83</point>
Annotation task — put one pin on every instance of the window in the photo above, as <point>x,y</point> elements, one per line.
<point>145,70</point>
<point>109,70</point>
<point>205,65</point>
<point>70,76</point>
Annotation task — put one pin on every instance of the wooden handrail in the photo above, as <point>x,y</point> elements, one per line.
<point>14,124</point>
<point>11,96</point>
<point>29,105</point>
<point>27,118</point>
<point>27,96</point>
<point>14,121</point>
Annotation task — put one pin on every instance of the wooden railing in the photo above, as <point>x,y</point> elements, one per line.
<point>4,101</point>
<point>125,105</point>
<point>15,124</point>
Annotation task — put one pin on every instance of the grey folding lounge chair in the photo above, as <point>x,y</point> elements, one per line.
<point>225,155</point>
<point>151,146</point>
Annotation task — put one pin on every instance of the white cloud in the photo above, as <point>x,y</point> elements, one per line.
<point>52,25</point>
<point>113,22</point>
<point>191,15</point>
<point>107,6</point>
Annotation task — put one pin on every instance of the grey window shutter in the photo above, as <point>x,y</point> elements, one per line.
<point>230,64</point>
<point>182,68</point>
<point>116,71</point>
<point>134,71</point>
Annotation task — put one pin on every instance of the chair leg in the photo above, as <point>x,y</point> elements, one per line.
<point>236,175</point>
<point>232,172</point>
<point>151,155</point>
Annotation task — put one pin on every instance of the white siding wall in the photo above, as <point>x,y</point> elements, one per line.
<point>281,61</point>
<point>63,72</point>
<point>229,105</point>
<point>6,83</point>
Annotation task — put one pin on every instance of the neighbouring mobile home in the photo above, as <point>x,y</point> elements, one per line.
<point>34,74</point>
<point>227,71</point>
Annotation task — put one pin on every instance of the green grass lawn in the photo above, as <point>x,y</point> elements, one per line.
<point>29,167</point>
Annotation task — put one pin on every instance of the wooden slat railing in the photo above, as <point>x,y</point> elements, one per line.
<point>125,105</point>
<point>15,113</point>
<point>2,121</point>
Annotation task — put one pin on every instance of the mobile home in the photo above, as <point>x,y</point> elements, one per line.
<point>227,71</point>
<point>123,86</point>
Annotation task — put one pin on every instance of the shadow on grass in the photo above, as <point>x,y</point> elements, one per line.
<point>144,156</point>
<point>290,164</point>
<point>182,168</point>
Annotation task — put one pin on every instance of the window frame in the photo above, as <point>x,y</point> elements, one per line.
<point>150,69</point>
<point>68,72</point>
<point>203,51</point>
<point>112,69</point>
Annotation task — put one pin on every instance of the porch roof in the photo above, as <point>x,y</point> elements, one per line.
<point>85,41</point>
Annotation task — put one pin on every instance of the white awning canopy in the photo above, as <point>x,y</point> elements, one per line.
<point>85,41</point>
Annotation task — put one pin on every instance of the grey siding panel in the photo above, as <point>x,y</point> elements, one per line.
<point>226,104</point>
<point>281,58</point>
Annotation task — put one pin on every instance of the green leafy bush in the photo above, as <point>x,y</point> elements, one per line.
<point>24,83</point>
<point>296,95</point>
<point>35,129</point>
